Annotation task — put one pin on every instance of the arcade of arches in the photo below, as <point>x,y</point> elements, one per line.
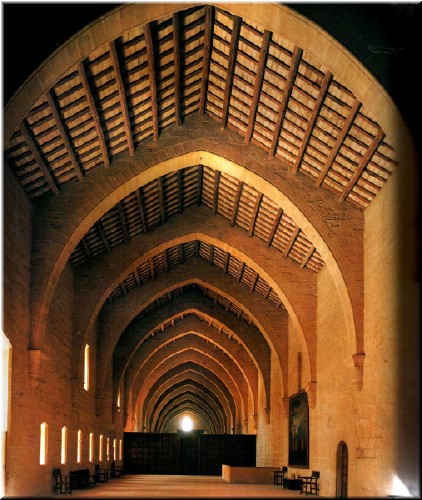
<point>208,209</point>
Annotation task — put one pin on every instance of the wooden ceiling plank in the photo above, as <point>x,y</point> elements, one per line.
<point>209,21</point>
<point>177,69</point>
<point>211,260</point>
<point>230,69</point>
<point>291,241</point>
<point>181,254</point>
<point>152,78</point>
<point>160,183</point>
<point>226,262</point>
<point>180,190</point>
<point>240,273</point>
<point>258,83</point>
<point>255,214</point>
<point>274,226</point>
<point>52,102</point>
<point>94,113</point>
<point>294,66</point>
<point>216,185</point>
<point>33,147</point>
<point>141,210</point>
<point>123,222</point>
<point>101,232</point>
<point>363,163</point>
<point>317,109</point>
<point>122,95</point>
<point>340,139</point>
<point>236,203</point>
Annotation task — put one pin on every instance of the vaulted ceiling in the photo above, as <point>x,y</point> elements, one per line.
<point>196,172</point>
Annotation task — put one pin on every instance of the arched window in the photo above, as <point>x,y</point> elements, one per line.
<point>118,400</point>
<point>63,449</point>
<point>79,449</point>
<point>91,446</point>
<point>341,470</point>
<point>108,449</point>
<point>43,443</point>
<point>100,448</point>
<point>114,449</point>
<point>120,449</point>
<point>86,368</point>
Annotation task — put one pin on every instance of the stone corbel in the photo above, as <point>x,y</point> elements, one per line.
<point>35,357</point>
<point>357,379</point>
<point>311,391</point>
<point>285,407</point>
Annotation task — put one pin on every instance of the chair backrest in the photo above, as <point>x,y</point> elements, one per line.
<point>315,474</point>
<point>57,473</point>
<point>97,467</point>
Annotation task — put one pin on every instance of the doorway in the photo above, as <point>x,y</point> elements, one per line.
<point>341,470</point>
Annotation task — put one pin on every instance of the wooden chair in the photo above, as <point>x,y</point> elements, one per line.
<point>61,482</point>
<point>279,475</point>
<point>116,470</point>
<point>101,475</point>
<point>310,484</point>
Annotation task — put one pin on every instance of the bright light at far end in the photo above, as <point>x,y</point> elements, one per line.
<point>187,424</point>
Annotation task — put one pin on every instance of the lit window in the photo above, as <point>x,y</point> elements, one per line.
<point>63,453</point>
<point>114,449</point>
<point>187,424</point>
<point>100,449</point>
<point>91,447</point>
<point>86,368</point>
<point>108,449</point>
<point>120,449</point>
<point>79,450</point>
<point>43,443</point>
<point>118,400</point>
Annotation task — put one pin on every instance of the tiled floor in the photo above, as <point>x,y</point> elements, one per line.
<point>158,486</point>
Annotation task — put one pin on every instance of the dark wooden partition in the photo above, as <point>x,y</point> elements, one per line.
<point>190,453</point>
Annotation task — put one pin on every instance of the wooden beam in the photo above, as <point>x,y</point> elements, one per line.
<point>307,257</point>
<point>152,78</point>
<point>216,185</point>
<point>211,254</point>
<point>209,21</point>
<point>122,95</point>
<point>141,210</point>
<point>94,113</point>
<point>340,139</point>
<point>86,248</point>
<point>181,254</point>
<point>287,91</point>
<point>230,69</point>
<point>236,203</point>
<point>255,279</point>
<point>226,262</point>
<point>315,113</point>
<point>137,278</point>
<point>197,248</point>
<point>274,226</point>
<point>291,241</point>
<point>160,183</point>
<point>240,273</point>
<point>33,147</point>
<point>255,214</point>
<point>258,83</point>
<point>180,190</point>
<point>363,163</point>
<point>100,230</point>
<point>123,287</point>
<point>123,222</point>
<point>177,69</point>
<point>52,102</point>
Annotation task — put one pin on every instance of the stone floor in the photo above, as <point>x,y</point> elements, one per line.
<point>163,486</point>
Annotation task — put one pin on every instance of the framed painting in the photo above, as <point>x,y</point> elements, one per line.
<point>299,430</point>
